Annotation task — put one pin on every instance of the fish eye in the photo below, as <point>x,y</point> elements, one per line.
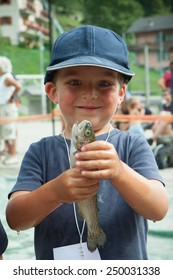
<point>88,132</point>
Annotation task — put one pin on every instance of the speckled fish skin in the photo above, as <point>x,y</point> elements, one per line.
<point>82,133</point>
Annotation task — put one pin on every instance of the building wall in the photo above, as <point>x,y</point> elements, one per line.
<point>146,38</point>
<point>10,30</point>
<point>158,48</point>
<point>26,16</point>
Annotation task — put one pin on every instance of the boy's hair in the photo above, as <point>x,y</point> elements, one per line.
<point>90,46</point>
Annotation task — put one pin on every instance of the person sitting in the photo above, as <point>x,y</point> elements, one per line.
<point>136,108</point>
<point>161,128</point>
<point>131,106</point>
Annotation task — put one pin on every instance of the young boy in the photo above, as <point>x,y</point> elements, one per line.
<point>87,77</point>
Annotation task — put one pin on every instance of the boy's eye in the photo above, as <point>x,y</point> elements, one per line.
<point>104,84</point>
<point>74,83</point>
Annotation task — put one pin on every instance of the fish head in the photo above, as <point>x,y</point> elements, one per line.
<point>85,129</point>
<point>82,133</point>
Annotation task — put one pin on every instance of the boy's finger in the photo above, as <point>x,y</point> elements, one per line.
<point>96,145</point>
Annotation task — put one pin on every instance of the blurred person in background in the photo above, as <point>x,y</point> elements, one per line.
<point>9,88</point>
<point>136,108</point>
<point>132,106</point>
<point>162,128</point>
<point>167,100</point>
<point>166,81</point>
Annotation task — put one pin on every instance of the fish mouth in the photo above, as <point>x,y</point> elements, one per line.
<point>85,128</point>
<point>84,124</point>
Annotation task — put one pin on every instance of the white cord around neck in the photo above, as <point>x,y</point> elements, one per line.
<point>74,206</point>
<point>77,224</point>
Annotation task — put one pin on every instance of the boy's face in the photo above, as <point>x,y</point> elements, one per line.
<point>86,92</point>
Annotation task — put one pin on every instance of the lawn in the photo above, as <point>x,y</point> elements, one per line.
<point>24,60</point>
<point>138,83</point>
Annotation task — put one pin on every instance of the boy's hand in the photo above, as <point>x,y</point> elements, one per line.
<point>73,186</point>
<point>98,160</point>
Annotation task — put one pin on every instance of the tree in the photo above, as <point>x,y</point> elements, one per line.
<point>117,15</point>
<point>114,14</point>
<point>157,7</point>
<point>66,7</point>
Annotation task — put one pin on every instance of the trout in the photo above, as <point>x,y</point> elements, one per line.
<point>82,133</point>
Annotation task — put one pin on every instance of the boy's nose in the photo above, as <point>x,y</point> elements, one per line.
<point>90,93</point>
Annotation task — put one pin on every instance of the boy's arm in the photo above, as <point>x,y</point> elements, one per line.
<point>146,197</point>
<point>26,209</point>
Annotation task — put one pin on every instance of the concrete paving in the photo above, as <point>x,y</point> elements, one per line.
<point>29,132</point>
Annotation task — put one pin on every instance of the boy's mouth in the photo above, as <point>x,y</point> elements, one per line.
<point>88,107</point>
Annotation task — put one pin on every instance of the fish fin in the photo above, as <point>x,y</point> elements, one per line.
<point>99,241</point>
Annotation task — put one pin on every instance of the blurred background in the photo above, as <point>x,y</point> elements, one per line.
<point>28,29</point>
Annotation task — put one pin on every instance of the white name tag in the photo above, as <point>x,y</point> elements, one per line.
<point>75,252</point>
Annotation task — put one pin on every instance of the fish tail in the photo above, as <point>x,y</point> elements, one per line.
<point>96,241</point>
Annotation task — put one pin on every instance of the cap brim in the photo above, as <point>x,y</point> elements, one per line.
<point>91,61</point>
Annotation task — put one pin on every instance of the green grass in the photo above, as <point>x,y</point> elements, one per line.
<point>24,60</point>
<point>138,83</point>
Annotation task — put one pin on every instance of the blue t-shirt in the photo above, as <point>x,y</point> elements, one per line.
<point>126,230</point>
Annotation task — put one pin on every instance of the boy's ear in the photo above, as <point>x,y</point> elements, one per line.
<point>122,93</point>
<point>51,92</point>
